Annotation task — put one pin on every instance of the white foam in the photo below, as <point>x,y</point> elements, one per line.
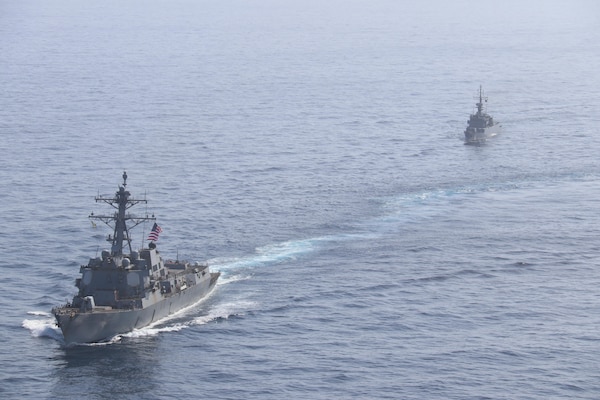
<point>40,313</point>
<point>221,311</point>
<point>149,331</point>
<point>233,278</point>
<point>42,327</point>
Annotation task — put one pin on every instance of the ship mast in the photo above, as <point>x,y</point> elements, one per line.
<point>481,98</point>
<point>122,202</point>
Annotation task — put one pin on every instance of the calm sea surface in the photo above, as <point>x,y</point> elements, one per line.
<point>312,152</point>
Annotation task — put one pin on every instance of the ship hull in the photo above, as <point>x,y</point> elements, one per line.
<point>480,136</point>
<point>100,324</point>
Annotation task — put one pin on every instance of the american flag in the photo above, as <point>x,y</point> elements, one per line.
<point>156,230</point>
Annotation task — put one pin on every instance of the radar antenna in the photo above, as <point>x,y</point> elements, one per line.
<point>118,221</point>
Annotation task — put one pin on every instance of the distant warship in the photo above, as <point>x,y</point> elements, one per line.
<point>121,291</point>
<point>481,126</point>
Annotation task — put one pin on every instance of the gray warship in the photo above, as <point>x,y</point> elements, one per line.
<point>481,126</point>
<point>125,289</point>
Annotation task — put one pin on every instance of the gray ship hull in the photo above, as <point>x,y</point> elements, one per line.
<point>102,323</point>
<point>481,135</point>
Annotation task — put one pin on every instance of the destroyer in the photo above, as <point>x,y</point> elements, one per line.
<point>126,289</point>
<point>481,126</point>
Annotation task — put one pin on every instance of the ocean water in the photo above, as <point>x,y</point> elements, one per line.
<point>312,152</point>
